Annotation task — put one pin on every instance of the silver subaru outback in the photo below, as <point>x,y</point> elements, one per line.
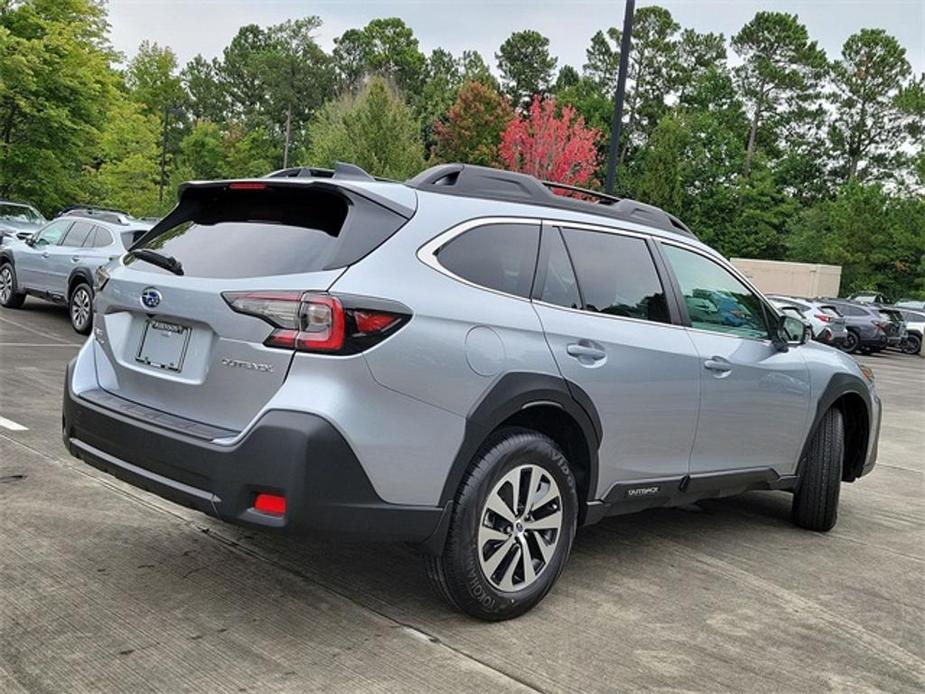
<point>466,361</point>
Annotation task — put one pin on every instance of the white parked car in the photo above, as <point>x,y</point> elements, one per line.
<point>915,328</point>
<point>827,324</point>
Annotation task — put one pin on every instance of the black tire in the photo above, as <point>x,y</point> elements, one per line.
<point>457,574</point>
<point>851,342</point>
<point>912,344</point>
<point>80,308</point>
<point>815,503</point>
<point>10,296</point>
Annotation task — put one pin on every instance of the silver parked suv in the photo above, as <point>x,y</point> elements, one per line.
<point>58,261</point>
<point>465,361</point>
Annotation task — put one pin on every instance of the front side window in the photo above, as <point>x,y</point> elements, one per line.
<point>716,300</point>
<point>52,234</point>
<point>496,256</point>
<point>616,275</point>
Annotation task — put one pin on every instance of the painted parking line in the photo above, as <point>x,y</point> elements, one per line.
<point>11,425</point>
<point>39,344</point>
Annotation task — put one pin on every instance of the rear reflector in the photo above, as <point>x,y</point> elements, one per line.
<point>272,504</point>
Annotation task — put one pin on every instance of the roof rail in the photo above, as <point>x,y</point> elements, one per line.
<point>341,170</point>
<point>468,180</point>
<point>97,213</point>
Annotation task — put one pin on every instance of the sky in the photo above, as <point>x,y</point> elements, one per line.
<point>207,26</point>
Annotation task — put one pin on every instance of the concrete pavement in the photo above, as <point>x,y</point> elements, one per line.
<point>104,587</point>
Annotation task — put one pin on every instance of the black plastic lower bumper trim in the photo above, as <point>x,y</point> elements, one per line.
<point>294,454</point>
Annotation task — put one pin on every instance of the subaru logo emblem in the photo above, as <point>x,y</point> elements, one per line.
<point>150,298</point>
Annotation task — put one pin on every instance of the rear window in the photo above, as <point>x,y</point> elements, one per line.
<point>222,233</point>
<point>130,237</point>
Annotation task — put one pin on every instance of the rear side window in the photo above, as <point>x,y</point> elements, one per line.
<point>496,256</point>
<point>101,237</point>
<point>560,287</point>
<point>277,230</point>
<point>77,234</point>
<point>616,275</point>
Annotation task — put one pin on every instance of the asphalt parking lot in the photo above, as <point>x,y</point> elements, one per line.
<point>104,587</point>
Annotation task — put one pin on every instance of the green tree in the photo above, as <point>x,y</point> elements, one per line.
<point>780,76</point>
<point>385,47</point>
<point>200,155</point>
<point>127,175</point>
<point>866,131</point>
<point>698,57</point>
<point>652,71</point>
<point>603,60</point>
<point>878,239</point>
<point>248,152</point>
<point>526,66</point>
<point>471,130</point>
<point>206,94</point>
<point>568,77</point>
<point>441,85</point>
<point>662,180</point>
<point>374,130</point>
<point>56,86</point>
<point>475,69</point>
<point>152,79</point>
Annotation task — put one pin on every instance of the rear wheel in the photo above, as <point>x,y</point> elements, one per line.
<point>10,296</point>
<point>815,503</point>
<point>80,308</point>
<point>851,343</point>
<point>912,344</point>
<point>512,528</point>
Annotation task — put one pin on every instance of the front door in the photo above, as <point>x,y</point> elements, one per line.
<point>611,334</point>
<point>755,402</point>
<point>32,261</point>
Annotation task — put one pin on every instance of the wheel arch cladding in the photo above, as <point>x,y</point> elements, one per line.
<point>547,404</point>
<point>79,274</point>
<point>849,394</point>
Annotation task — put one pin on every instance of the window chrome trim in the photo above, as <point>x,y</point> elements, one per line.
<point>427,253</point>
<point>592,314</point>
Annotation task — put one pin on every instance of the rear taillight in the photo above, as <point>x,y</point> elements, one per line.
<point>824,318</point>
<point>317,322</point>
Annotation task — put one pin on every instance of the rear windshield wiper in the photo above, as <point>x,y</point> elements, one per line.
<point>168,262</point>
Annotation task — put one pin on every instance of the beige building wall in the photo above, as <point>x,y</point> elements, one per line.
<point>793,279</point>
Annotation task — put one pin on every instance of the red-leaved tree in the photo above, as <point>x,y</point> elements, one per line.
<point>550,147</point>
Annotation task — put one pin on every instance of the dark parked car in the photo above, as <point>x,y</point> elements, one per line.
<point>869,328</point>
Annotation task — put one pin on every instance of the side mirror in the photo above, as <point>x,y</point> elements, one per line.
<point>791,331</point>
<point>30,241</point>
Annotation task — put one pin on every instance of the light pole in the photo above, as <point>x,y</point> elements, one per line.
<point>618,97</point>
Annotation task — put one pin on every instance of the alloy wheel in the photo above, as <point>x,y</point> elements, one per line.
<point>6,284</point>
<point>81,308</point>
<point>521,522</point>
<point>851,342</point>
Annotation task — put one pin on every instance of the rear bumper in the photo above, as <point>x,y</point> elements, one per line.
<point>295,454</point>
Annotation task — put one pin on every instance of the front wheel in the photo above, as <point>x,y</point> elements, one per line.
<point>10,296</point>
<point>511,532</point>
<point>80,308</point>
<point>815,502</point>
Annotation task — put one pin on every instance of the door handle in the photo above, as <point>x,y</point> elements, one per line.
<point>585,352</point>
<point>75,258</point>
<point>45,254</point>
<point>718,364</point>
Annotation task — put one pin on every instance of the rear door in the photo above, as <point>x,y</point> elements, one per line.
<point>607,320</point>
<point>172,342</point>
<point>755,399</point>
<point>64,257</point>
